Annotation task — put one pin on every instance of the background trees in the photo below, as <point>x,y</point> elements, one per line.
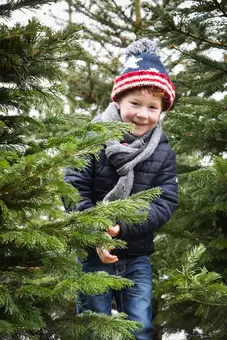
<point>190,259</point>
<point>39,275</point>
<point>38,243</point>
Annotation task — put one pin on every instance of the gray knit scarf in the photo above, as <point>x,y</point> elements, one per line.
<point>125,156</point>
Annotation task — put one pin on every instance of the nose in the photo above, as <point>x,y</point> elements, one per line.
<point>142,113</point>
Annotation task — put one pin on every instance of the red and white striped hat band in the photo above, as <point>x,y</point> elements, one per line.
<point>143,78</point>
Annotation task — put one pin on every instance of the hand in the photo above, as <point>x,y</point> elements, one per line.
<point>114,231</point>
<point>105,255</point>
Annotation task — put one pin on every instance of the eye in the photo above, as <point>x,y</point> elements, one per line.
<point>134,103</point>
<point>152,107</point>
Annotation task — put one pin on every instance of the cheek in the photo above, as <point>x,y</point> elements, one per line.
<point>126,116</point>
<point>154,119</point>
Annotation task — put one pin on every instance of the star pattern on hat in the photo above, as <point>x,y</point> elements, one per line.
<point>132,62</point>
<point>154,69</point>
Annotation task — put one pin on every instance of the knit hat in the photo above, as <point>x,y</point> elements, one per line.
<point>143,67</point>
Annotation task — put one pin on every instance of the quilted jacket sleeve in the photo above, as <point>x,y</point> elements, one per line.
<point>83,181</point>
<point>160,210</point>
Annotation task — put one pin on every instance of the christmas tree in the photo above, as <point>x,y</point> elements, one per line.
<point>39,242</point>
<point>190,259</point>
<point>194,258</point>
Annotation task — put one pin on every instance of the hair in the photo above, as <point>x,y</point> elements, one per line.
<point>156,91</point>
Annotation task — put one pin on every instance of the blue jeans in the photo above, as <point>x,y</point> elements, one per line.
<point>134,301</point>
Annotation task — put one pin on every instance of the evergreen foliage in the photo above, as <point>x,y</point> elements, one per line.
<point>190,259</point>
<point>39,243</point>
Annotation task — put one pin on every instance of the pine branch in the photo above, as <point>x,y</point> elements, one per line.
<point>195,37</point>
<point>209,62</point>
<point>101,326</point>
<point>118,9</point>
<point>29,170</point>
<point>221,6</point>
<point>13,5</point>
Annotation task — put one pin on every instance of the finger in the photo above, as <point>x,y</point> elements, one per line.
<point>107,234</point>
<point>106,257</point>
<point>108,261</point>
<point>106,254</point>
<point>114,231</point>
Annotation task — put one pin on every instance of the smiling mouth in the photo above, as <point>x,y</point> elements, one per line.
<point>138,124</point>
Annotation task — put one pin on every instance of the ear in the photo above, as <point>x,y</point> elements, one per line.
<point>117,105</point>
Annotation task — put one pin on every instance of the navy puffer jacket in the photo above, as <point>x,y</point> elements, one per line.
<point>159,170</point>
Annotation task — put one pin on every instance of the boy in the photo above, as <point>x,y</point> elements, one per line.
<point>142,161</point>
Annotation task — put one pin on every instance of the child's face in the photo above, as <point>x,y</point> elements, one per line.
<point>141,108</point>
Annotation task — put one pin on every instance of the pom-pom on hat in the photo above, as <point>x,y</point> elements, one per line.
<point>143,67</point>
